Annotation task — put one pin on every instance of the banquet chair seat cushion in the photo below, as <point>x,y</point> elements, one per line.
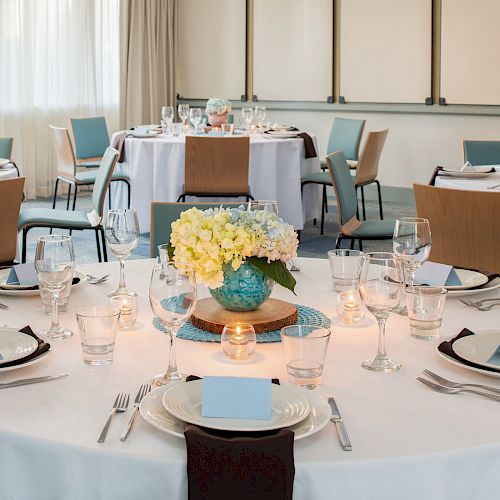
<point>351,163</point>
<point>88,177</point>
<point>375,229</point>
<point>317,178</point>
<point>88,164</point>
<point>53,218</point>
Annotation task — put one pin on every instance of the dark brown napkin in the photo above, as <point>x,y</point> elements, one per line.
<point>119,144</point>
<point>42,347</point>
<point>447,348</point>
<point>236,465</point>
<point>310,150</point>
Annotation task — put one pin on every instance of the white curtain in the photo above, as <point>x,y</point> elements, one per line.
<point>58,59</point>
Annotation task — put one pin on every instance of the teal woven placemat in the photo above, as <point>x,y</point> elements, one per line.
<point>306,316</point>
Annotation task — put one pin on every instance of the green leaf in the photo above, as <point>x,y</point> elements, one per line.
<point>276,270</point>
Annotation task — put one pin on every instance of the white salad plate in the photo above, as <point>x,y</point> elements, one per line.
<point>478,348</point>
<point>23,289</point>
<point>15,345</point>
<point>488,287</point>
<point>144,135</point>
<point>288,406</point>
<point>28,363</point>
<point>153,411</point>
<point>467,174</point>
<point>469,279</point>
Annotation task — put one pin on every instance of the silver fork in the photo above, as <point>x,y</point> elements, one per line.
<point>488,307</point>
<point>3,306</point>
<point>293,266</point>
<point>95,281</point>
<point>120,405</point>
<point>478,303</point>
<point>449,383</point>
<point>143,390</point>
<point>455,390</point>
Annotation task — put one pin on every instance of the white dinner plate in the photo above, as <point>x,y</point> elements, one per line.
<point>281,127</point>
<point>29,363</point>
<point>15,345</point>
<point>288,406</point>
<point>153,411</point>
<point>282,133</point>
<point>469,279</point>
<point>467,174</point>
<point>22,290</point>
<point>145,135</point>
<point>488,287</point>
<point>478,348</point>
<point>467,367</point>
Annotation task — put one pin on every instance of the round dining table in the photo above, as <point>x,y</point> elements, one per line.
<point>489,183</point>
<point>408,442</point>
<point>155,166</point>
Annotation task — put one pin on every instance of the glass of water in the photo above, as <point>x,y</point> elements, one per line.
<point>260,114</point>
<point>247,116</point>
<point>305,349</point>
<point>167,114</point>
<point>97,326</point>
<point>183,111</point>
<point>425,311</point>
<point>345,266</point>
<point>195,116</point>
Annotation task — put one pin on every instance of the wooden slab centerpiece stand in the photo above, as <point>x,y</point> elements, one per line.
<point>272,315</point>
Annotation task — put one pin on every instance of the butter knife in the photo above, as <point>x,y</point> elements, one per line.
<point>339,425</point>
<point>36,380</point>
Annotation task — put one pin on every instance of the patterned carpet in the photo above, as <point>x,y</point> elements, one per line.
<point>312,243</point>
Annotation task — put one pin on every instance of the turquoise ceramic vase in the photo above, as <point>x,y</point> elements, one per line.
<point>243,290</point>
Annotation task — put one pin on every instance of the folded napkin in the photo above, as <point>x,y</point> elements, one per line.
<point>465,168</point>
<point>310,150</point>
<point>447,348</point>
<point>119,144</point>
<point>42,347</point>
<point>435,173</point>
<point>236,465</point>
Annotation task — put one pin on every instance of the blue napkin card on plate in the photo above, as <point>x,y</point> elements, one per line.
<point>495,357</point>
<point>236,397</point>
<point>434,274</point>
<point>216,133</point>
<point>23,274</point>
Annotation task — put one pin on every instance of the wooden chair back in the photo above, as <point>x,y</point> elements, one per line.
<point>64,152</point>
<point>367,169</point>
<point>11,195</point>
<point>216,165</point>
<point>464,226</point>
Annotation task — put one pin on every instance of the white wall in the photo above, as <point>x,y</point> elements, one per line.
<point>415,144</point>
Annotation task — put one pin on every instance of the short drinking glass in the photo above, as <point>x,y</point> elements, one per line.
<point>305,349</point>
<point>345,266</point>
<point>425,310</point>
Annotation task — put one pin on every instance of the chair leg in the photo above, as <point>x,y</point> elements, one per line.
<point>55,193</point>
<point>23,250</point>
<point>74,197</point>
<point>380,200</point>
<point>357,203</point>
<point>338,241</point>
<point>128,194</point>
<point>360,245</point>
<point>109,196</point>
<point>352,243</point>
<point>322,230</point>
<point>325,198</point>
<point>98,243</point>
<point>104,250</point>
<point>363,202</point>
<point>69,196</point>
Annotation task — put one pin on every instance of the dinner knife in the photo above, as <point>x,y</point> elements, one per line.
<point>36,380</point>
<point>339,425</point>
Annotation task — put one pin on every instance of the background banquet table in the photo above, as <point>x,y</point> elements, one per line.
<point>408,441</point>
<point>481,184</point>
<point>8,172</point>
<point>156,170</point>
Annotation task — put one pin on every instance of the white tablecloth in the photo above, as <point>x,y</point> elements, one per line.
<point>481,184</point>
<point>408,441</point>
<point>156,169</point>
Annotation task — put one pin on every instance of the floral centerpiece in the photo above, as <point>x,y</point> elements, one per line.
<point>238,254</point>
<point>217,109</point>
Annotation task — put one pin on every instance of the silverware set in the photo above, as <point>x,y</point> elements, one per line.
<point>339,426</point>
<point>482,305</point>
<point>445,386</point>
<point>3,306</point>
<point>120,406</point>
<point>93,280</point>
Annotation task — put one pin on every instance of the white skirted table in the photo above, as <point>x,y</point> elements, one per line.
<point>8,172</point>
<point>156,169</point>
<point>481,184</point>
<point>408,441</point>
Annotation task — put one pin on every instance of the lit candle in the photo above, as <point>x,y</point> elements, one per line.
<point>127,305</point>
<point>238,340</point>
<point>351,311</point>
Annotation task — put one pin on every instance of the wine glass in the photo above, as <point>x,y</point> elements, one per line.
<point>183,111</point>
<point>260,114</point>
<point>247,116</point>
<point>412,243</point>
<point>122,236</point>
<point>167,113</point>
<point>54,265</point>
<point>195,116</point>
<point>172,296</point>
<point>266,205</point>
<point>380,286</point>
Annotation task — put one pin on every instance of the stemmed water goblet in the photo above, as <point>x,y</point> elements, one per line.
<point>380,287</point>
<point>167,117</point>
<point>247,116</point>
<point>412,243</point>
<point>54,265</point>
<point>172,296</point>
<point>183,111</point>
<point>122,236</point>
<point>260,114</point>
<point>195,117</point>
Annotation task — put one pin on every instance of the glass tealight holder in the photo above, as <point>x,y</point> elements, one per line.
<point>238,340</point>
<point>350,308</point>
<point>127,305</point>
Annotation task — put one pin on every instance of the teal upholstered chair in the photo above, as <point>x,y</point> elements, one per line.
<point>164,213</point>
<point>345,135</point>
<point>67,168</point>
<point>75,220</point>
<point>6,144</point>
<point>91,140</point>
<point>482,152</point>
<point>351,228</point>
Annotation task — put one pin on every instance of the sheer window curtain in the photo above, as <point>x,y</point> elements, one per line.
<point>59,59</point>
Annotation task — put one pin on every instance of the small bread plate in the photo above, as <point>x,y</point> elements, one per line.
<point>154,412</point>
<point>15,345</point>
<point>78,279</point>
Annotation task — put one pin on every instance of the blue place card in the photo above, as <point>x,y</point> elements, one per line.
<point>434,274</point>
<point>23,274</point>
<point>495,357</point>
<point>236,397</point>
